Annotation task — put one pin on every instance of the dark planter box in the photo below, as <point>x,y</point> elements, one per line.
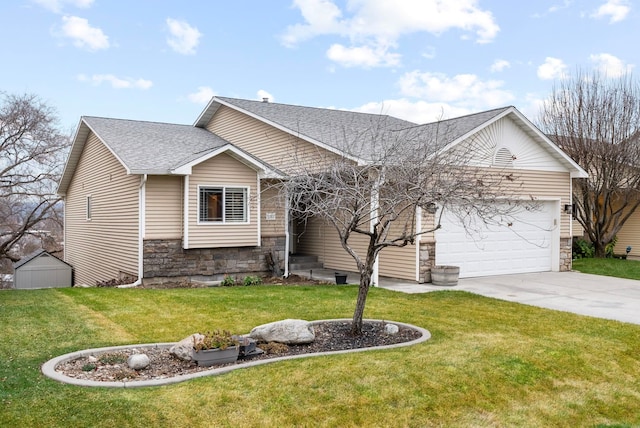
<point>341,278</point>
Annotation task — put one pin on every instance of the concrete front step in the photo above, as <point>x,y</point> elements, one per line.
<point>303,262</point>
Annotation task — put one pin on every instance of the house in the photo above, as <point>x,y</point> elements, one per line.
<point>150,201</point>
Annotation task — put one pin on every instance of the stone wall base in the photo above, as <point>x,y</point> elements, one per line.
<point>566,254</point>
<point>165,260</point>
<point>427,260</point>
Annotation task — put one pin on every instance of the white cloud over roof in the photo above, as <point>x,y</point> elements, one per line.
<point>373,27</point>
<point>610,65</point>
<point>116,82</point>
<point>84,35</point>
<point>552,68</point>
<point>615,10</point>
<point>184,38</point>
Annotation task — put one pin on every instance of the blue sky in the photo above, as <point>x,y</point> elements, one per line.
<point>162,60</point>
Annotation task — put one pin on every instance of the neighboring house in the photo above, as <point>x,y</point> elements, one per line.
<point>152,201</point>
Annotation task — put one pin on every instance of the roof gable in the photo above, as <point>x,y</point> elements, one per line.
<point>149,147</point>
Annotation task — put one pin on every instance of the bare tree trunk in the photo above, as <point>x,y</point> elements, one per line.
<point>358,313</point>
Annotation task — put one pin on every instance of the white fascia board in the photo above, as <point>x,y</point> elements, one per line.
<point>291,131</point>
<point>229,149</point>
<point>77,146</point>
<point>207,113</point>
<point>110,149</point>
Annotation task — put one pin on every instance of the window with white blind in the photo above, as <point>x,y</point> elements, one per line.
<point>223,204</point>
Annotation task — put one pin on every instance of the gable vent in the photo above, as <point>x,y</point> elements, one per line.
<point>503,158</point>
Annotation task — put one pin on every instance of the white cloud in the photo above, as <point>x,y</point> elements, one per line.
<point>83,34</point>
<point>466,90</point>
<point>616,10</point>
<point>374,26</point>
<point>184,38</point>
<point>553,68</point>
<point>610,65</point>
<point>116,82</point>
<point>414,111</point>
<point>262,94</point>
<point>500,65</point>
<point>363,56</point>
<point>202,96</point>
<point>57,5</point>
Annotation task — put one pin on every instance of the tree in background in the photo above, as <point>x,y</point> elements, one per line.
<point>32,151</point>
<point>596,121</point>
<point>378,192</point>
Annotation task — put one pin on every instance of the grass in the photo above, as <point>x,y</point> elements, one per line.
<point>489,362</point>
<point>609,267</point>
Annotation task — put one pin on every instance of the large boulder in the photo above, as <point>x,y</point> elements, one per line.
<point>290,332</point>
<point>182,349</point>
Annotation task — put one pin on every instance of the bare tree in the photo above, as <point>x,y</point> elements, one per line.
<point>385,182</point>
<point>32,151</point>
<point>596,121</point>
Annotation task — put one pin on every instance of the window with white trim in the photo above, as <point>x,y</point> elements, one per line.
<point>223,204</point>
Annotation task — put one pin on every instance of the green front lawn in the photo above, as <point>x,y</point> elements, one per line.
<point>609,267</point>
<point>489,362</point>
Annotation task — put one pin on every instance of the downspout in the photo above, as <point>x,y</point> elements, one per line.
<point>141,232</point>
<point>373,218</point>
<point>287,234</point>
<point>418,240</point>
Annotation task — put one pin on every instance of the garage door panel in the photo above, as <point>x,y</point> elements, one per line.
<point>521,246</point>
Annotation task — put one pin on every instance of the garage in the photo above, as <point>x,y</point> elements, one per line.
<point>526,244</point>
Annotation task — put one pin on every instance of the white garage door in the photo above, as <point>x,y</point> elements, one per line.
<point>525,245</point>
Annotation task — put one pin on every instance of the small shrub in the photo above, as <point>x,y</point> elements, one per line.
<point>228,281</point>
<point>251,280</point>
<point>274,348</point>
<point>112,359</point>
<point>89,367</point>
<point>608,249</point>
<point>583,249</point>
<point>215,339</point>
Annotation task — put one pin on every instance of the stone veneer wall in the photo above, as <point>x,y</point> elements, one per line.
<point>427,249</point>
<point>566,254</point>
<point>165,259</point>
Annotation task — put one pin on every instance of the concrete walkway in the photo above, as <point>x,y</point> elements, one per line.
<point>593,295</point>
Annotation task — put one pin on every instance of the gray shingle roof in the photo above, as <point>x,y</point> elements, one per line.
<point>343,130</point>
<point>145,147</point>
<point>353,132</point>
<point>450,130</point>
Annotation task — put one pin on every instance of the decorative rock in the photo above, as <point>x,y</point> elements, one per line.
<point>138,361</point>
<point>391,329</point>
<point>92,358</point>
<point>288,331</point>
<point>182,349</point>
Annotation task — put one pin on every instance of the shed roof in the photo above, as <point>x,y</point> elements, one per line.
<point>26,259</point>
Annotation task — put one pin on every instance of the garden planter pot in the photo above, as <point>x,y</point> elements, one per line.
<point>211,357</point>
<point>445,275</point>
<point>341,278</point>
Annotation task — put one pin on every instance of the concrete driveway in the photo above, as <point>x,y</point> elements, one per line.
<point>593,295</point>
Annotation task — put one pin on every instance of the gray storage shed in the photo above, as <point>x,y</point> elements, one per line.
<point>41,270</point>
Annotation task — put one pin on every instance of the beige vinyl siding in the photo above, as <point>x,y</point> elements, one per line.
<point>318,238</point>
<point>163,208</point>
<point>271,145</point>
<point>106,246</point>
<point>273,205</point>
<point>398,262</point>
<point>223,170</point>
<point>629,235</point>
